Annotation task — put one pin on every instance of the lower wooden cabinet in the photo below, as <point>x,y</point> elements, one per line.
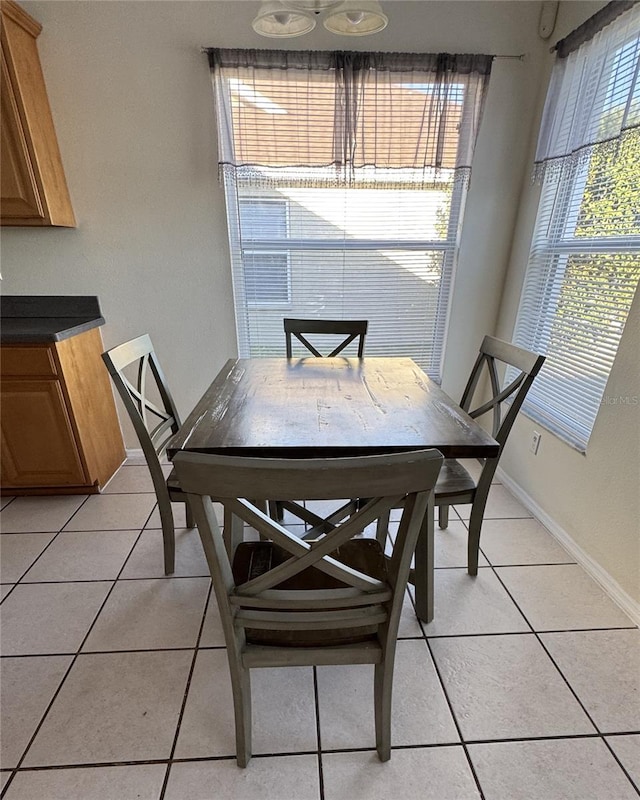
<point>60,431</point>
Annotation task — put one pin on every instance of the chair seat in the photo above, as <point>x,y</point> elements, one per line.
<point>252,559</point>
<point>453,480</point>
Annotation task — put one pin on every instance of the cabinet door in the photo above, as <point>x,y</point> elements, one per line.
<point>33,188</point>
<point>38,442</point>
<point>18,187</point>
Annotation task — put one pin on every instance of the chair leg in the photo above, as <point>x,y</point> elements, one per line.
<point>241,685</point>
<point>190,519</point>
<point>232,532</point>
<point>473,542</point>
<point>443,517</point>
<point>383,683</point>
<point>168,533</point>
<point>275,510</point>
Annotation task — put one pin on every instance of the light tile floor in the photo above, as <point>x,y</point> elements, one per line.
<point>115,685</point>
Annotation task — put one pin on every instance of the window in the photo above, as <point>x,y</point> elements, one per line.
<point>584,264</point>
<point>385,255</point>
<point>337,212</point>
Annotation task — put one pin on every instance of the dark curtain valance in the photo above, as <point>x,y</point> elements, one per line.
<point>463,64</point>
<point>339,118</point>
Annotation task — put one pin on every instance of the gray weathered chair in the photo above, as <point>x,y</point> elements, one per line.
<point>350,329</point>
<point>286,602</point>
<point>455,485</point>
<point>153,424</point>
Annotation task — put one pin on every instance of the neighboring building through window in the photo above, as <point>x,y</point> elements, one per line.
<point>265,273</point>
<point>382,254</point>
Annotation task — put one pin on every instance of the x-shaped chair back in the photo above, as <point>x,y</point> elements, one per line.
<point>494,352</point>
<point>403,478</point>
<point>354,618</point>
<point>352,330</point>
<point>456,485</point>
<point>154,424</point>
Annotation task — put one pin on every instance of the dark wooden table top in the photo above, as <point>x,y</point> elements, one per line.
<point>321,407</point>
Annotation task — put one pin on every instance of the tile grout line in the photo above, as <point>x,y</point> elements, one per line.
<point>598,734</point>
<point>566,680</point>
<point>112,652</point>
<point>123,580</point>
<point>186,691</point>
<point>621,765</point>
<point>64,677</point>
<point>316,698</point>
<point>56,534</point>
<point>73,659</point>
<point>171,760</point>
<point>36,559</point>
<point>450,706</point>
<point>331,750</point>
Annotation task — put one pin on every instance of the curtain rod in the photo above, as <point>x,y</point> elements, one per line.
<point>519,57</point>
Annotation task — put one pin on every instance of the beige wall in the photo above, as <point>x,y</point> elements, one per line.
<point>595,497</point>
<point>132,104</point>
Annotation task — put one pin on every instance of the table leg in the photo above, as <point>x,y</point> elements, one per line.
<point>424,564</point>
<point>233,532</point>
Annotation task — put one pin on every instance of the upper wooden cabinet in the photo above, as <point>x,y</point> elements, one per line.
<point>33,189</point>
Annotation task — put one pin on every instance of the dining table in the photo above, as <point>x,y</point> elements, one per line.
<point>327,407</point>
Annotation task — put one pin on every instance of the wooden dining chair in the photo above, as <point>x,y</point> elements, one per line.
<point>351,330</point>
<point>154,425</point>
<point>287,602</point>
<point>455,485</point>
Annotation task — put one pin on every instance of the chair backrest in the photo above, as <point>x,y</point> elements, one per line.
<point>350,329</point>
<point>494,352</point>
<point>154,424</point>
<point>346,598</point>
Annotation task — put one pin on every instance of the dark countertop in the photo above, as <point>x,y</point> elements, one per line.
<point>43,319</point>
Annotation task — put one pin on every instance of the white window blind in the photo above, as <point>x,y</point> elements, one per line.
<point>584,264</point>
<point>385,255</point>
<point>345,189</point>
<point>266,273</point>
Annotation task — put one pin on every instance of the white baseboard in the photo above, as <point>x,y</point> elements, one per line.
<point>627,603</point>
<point>135,456</point>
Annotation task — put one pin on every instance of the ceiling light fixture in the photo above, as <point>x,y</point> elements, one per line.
<point>316,6</point>
<point>279,20</point>
<point>354,18</point>
<point>286,18</point>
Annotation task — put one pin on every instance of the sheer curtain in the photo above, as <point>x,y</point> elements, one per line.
<point>340,118</point>
<point>593,100</point>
